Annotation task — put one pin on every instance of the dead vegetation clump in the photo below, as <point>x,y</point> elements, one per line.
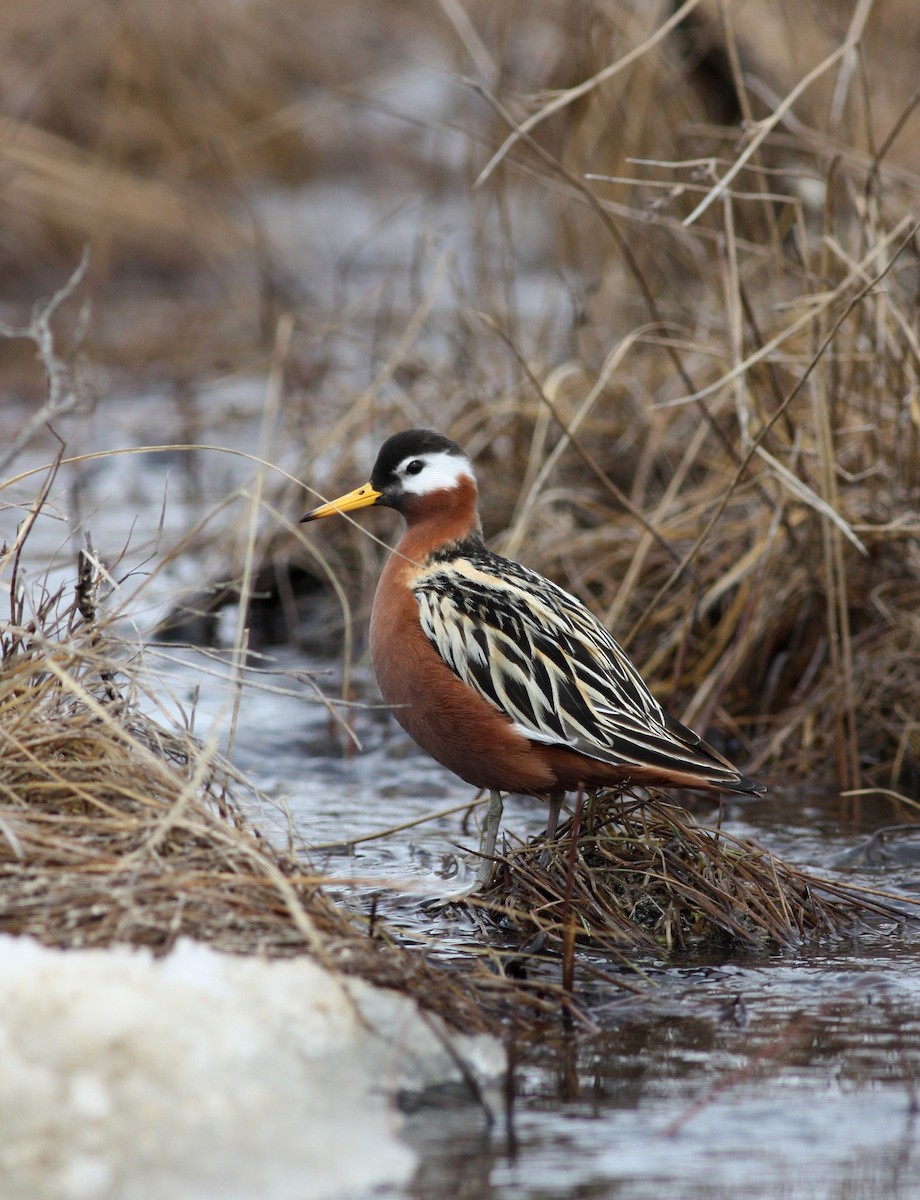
<point>642,875</point>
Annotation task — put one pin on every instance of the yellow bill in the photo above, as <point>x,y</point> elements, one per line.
<point>361,497</point>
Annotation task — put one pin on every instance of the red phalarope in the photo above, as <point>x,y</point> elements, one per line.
<point>503,677</point>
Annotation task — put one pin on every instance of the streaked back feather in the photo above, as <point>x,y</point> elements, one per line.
<point>539,656</point>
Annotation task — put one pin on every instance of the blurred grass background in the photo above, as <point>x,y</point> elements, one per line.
<point>705,422</point>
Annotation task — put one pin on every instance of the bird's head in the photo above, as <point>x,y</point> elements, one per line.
<point>419,473</point>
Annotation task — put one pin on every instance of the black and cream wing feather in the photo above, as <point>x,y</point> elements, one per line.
<point>540,657</point>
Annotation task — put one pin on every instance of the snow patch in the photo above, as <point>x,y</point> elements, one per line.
<point>205,1076</point>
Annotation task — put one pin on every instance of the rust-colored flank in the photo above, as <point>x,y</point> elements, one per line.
<point>503,677</point>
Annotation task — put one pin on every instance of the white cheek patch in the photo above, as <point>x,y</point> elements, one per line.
<point>442,471</point>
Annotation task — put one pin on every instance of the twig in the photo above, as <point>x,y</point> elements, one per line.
<point>63,392</point>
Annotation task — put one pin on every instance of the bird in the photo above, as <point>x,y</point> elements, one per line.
<point>501,675</point>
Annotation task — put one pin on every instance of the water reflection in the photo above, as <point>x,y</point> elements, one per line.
<point>815,1096</point>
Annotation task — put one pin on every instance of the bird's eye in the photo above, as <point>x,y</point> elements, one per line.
<point>414,467</point>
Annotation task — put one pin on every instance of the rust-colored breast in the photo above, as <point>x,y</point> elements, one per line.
<point>445,717</point>
<point>456,725</point>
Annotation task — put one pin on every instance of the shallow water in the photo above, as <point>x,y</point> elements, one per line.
<point>776,1079</point>
<point>784,1075</point>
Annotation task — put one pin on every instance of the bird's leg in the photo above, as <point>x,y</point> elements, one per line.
<point>555,808</point>
<point>487,843</point>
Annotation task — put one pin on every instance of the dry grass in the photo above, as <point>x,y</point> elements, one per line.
<point>146,132</point>
<point>712,432</point>
<point>708,427</point>
<point>722,451</point>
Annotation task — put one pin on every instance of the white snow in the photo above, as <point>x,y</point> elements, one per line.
<point>203,1076</point>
